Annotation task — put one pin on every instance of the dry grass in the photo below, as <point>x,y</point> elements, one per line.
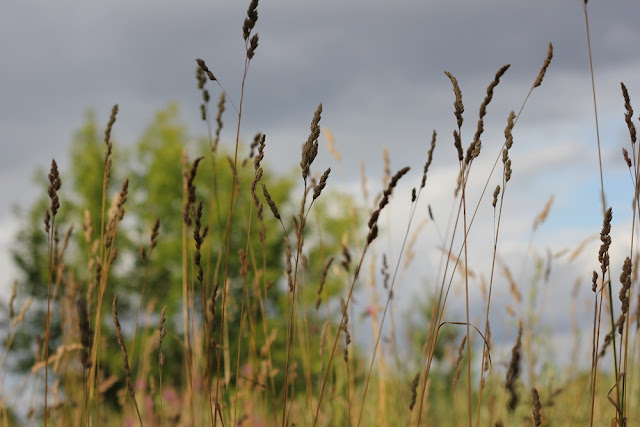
<point>250,346</point>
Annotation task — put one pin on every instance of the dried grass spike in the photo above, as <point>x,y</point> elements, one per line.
<point>47,221</point>
<point>487,350</point>
<point>201,77</point>
<point>190,177</point>
<point>625,279</point>
<point>537,406</point>
<point>606,343</point>
<point>456,376</point>
<point>203,67</point>
<point>373,233</point>
<point>508,130</point>
<point>507,170</point>
<point>514,372</point>
<point>14,293</point>
<point>270,202</point>
<point>346,262</point>
<point>86,333</point>
<point>629,113</point>
<point>331,144</point>
<point>457,104</point>
<point>54,186</point>
<point>625,155</point>
<point>323,279</point>
<point>253,45</point>
<point>20,317</point>
<point>112,120</point>
<point>373,220</point>
<point>321,184</point>
<point>474,149</point>
<point>198,238</point>
<point>125,357</point>
<point>344,326</point>
<point>250,20</point>
<point>155,231</point>
<point>542,216</point>
<point>496,192</point>
<point>394,181</point>
<point>65,243</point>
<point>429,159</point>
<point>310,147</point>
<point>219,123</point>
<point>414,392</point>
<point>162,332</point>
<point>384,271</point>
<point>605,238</point>
<point>387,166</point>
<point>457,142</point>
<point>545,65</point>
<point>289,267</point>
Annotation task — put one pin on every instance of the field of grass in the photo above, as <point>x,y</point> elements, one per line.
<point>259,328</point>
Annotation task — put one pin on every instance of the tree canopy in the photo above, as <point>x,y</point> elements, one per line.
<point>149,268</point>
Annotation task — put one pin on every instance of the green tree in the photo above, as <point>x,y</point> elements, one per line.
<point>155,167</point>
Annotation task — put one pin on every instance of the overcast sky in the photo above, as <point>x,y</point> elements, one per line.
<point>377,67</point>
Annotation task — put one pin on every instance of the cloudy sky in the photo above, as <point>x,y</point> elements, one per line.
<point>377,67</point>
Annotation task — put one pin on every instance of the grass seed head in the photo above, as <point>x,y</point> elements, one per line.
<point>537,406</point>
<point>321,184</point>
<point>270,202</point>
<point>310,147</point>
<point>496,192</point>
<point>458,107</point>
<point>545,65</point>
<point>414,391</point>
<point>112,120</point>
<point>628,115</point>
<point>250,20</point>
<point>514,372</point>
<point>203,67</point>
<point>429,159</point>
<point>86,333</point>
<point>625,155</point>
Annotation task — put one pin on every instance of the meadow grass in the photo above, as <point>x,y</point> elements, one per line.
<point>230,372</point>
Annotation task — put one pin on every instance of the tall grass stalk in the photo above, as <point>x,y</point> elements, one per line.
<point>636,209</point>
<point>608,285</point>
<point>396,269</point>
<point>373,233</point>
<point>102,267</point>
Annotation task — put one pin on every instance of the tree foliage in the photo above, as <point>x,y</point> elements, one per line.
<point>151,278</point>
